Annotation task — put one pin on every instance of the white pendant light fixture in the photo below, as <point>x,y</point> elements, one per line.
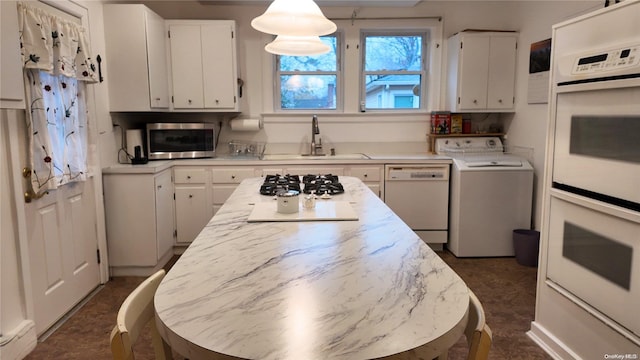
<point>294,18</point>
<point>297,46</point>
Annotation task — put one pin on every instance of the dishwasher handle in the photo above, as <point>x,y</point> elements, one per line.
<point>418,173</point>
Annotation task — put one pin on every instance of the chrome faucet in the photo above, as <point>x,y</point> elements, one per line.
<point>316,149</point>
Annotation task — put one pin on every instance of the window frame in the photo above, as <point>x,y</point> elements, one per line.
<point>349,84</point>
<point>423,72</point>
<point>277,94</point>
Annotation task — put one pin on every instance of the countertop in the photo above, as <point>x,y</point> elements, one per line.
<point>156,166</point>
<point>310,290</point>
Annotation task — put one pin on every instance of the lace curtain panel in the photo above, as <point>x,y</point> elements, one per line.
<point>57,66</point>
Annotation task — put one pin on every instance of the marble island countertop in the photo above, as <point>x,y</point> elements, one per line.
<point>310,290</point>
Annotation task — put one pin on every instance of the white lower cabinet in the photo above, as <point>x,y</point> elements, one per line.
<point>148,214</point>
<point>192,201</point>
<point>372,176</point>
<point>226,179</point>
<point>140,223</point>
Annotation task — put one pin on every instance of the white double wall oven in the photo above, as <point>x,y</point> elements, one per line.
<point>593,219</point>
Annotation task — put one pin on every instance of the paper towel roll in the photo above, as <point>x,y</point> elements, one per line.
<point>246,124</point>
<point>133,139</point>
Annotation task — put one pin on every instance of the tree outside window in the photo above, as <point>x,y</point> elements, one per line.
<point>309,82</point>
<point>394,70</point>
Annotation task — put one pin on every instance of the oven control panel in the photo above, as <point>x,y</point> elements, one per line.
<point>614,59</point>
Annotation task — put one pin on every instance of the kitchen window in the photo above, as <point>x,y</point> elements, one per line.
<point>393,70</point>
<point>309,82</point>
<point>389,66</point>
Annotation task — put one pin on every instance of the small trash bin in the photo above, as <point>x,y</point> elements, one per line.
<point>526,244</point>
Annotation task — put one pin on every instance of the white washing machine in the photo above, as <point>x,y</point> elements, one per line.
<point>491,195</point>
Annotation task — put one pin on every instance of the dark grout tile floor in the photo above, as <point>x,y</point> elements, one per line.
<point>505,288</point>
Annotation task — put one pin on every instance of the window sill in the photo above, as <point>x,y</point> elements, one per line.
<point>364,117</point>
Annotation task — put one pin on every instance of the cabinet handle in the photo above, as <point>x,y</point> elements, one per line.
<point>189,101</point>
<point>475,101</point>
<point>157,99</point>
<point>190,196</point>
<point>217,101</point>
<point>159,186</point>
<point>365,175</point>
<point>500,101</point>
<point>188,177</point>
<point>233,176</point>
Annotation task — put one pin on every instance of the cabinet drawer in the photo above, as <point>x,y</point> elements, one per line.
<point>314,170</point>
<point>232,176</point>
<point>190,176</point>
<point>367,173</point>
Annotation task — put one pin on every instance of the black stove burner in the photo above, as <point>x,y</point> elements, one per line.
<point>322,184</point>
<point>274,183</point>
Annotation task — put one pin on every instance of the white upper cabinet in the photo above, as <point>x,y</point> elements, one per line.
<point>11,86</point>
<point>136,61</point>
<point>203,65</point>
<point>481,72</point>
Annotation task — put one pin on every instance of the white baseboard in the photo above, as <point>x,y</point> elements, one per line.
<point>549,343</point>
<point>19,342</point>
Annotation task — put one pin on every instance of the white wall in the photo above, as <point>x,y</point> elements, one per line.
<point>527,127</point>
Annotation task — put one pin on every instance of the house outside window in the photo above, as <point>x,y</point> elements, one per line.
<point>394,70</point>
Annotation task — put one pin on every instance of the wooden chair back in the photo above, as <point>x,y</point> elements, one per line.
<point>477,331</point>
<point>136,312</point>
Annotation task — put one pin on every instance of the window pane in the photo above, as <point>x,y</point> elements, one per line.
<point>324,62</point>
<point>308,91</point>
<point>393,53</point>
<point>392,91</point>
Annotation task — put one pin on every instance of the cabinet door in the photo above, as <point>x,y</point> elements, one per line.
<point>192,211</point>
<point>219,75</point>
<point>11,86</point>
<point>221,193</point>
<point>164,213</point>
<point>130,213</point>
<point>186,66</point>
<point>474,72</point>
<point>502,72</point>
<point>157,62</point>
<point>135,58</point>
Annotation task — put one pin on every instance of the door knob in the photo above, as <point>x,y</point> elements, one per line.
<point>30,194</point>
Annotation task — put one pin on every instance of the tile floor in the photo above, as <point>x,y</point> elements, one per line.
<point>505,288</point>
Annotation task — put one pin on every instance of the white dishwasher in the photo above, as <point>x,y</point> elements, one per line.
<point>419,195</point>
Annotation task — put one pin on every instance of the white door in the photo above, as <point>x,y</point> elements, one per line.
<point>61,227</point>
<point>63,245</point>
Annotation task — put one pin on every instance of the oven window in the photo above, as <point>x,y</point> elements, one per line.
<point>605,257</point>
<point>181,140</point>
<point>608,137</point>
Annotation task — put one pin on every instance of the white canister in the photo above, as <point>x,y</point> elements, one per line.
<point>288,202</point>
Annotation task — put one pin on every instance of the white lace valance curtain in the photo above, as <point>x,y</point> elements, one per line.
<point>57,65</point>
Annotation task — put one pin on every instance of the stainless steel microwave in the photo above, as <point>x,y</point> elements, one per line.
<point>181,140</point>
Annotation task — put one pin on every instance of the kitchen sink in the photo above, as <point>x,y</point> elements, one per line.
<point>355,156</point>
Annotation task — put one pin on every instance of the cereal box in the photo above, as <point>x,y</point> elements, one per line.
<point>440,122</point>
<point>456,124</point>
